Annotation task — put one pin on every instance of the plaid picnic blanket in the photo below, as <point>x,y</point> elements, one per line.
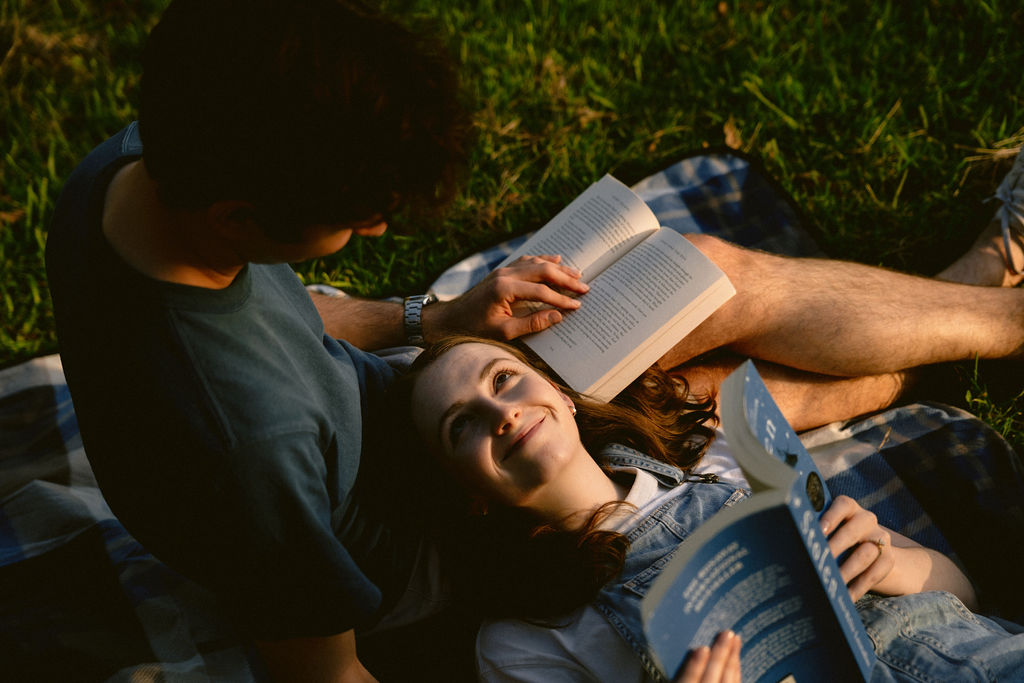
<point>941,476</point>
<point>80,599</point>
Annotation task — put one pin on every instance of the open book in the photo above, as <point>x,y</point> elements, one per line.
<point>649,287</point>
<point>762,567</point>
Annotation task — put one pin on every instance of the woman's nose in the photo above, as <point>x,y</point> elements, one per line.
<point>506,417</point>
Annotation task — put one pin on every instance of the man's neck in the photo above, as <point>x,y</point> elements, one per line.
<point>163,243</point>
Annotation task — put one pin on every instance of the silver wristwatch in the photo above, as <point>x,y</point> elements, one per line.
<point>413,317</point>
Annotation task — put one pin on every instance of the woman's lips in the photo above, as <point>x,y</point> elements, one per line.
<point>521,438</point>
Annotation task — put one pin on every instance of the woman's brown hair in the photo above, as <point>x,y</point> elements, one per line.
<point>504,563</point>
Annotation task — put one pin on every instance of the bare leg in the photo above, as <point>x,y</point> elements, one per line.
<point>848,319</point>
<point>806,399</point>
<point>810,399</point>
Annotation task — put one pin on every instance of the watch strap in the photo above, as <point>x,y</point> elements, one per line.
<point>412,317</point>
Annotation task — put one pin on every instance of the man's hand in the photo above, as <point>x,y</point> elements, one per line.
<point>496,306</point>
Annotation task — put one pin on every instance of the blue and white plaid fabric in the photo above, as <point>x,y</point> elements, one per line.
<point>928,467</point>
<point>80,599</point>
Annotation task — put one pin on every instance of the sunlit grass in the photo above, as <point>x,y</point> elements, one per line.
<point>887,121</point>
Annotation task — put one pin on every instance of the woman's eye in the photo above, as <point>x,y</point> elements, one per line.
<point>500,378</point>
<point>455,429</point>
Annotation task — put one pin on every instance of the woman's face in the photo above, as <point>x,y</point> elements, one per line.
<point>497,425</point>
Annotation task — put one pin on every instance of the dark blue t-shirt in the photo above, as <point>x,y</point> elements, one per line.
<point>225,429</point>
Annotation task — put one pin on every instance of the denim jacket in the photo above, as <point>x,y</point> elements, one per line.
<point>653,542</point>
<point>920,637</point>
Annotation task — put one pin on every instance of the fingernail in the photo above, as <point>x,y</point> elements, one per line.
<point>554,317</point>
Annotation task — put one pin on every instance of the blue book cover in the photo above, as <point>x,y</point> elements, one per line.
<point>762,567</point>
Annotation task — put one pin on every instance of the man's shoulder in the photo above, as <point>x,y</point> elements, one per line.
<point>76,217</point>
<point>115,150</point>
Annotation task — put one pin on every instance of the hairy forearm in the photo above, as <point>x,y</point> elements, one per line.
<point>366,323</point>
<point>372,324</point>
<point>488,309</point>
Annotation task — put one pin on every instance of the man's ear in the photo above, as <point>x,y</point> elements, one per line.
<point>232,218</point>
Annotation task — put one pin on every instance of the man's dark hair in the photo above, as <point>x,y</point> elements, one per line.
<point>315,111</point>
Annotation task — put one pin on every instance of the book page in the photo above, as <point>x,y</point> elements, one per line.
<point>664,282</point>
<point>606,220</point>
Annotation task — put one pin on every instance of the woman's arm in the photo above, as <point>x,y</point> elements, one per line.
<point>883,561</point>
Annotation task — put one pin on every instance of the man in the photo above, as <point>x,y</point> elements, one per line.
<point>223,426</point>
<point>223,419</point>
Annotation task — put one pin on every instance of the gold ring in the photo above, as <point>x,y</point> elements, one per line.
<point>881,544</point>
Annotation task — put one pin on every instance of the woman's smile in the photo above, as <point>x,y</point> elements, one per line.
<point>522,439</point>
<point>496,424</point>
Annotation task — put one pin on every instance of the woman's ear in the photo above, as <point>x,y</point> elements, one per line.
<point>568,402</point>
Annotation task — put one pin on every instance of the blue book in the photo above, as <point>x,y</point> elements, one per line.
<point>762,567</point>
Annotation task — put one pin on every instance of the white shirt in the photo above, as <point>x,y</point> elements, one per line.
<point>585,647</point>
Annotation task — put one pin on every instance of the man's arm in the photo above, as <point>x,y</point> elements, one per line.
<point>488,309</point>
<point>367,323</point>
<point>331,659</point>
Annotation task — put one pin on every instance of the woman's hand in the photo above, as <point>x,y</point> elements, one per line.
<point>719,663</point>
<point>872,556</point>
<point>886,562</point>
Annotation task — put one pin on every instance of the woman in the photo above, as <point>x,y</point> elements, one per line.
<point>542,527</point>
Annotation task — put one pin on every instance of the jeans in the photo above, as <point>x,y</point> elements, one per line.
<point>933,637</point>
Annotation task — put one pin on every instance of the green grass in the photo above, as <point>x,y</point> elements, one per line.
<point>883,119</point>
